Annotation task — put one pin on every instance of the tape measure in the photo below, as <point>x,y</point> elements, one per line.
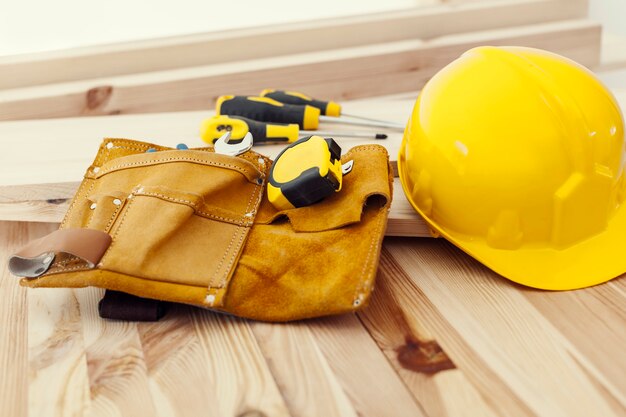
<point>306,172</point>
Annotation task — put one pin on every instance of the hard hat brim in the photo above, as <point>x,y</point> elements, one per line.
<point>593,261</point>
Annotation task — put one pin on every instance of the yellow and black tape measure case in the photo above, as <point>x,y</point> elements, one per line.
<point>305,172</point>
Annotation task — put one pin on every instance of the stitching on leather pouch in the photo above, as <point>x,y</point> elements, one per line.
<point>223,280</point>
<point>67,261</point>
<point>59,264</point>
<point>92,212</point>
<point>195,207</point>
<point>59,270</point>
<point>140,146</point>
<point>110,222</point>
<point>117,231</point>
<point>370,251</point>
<point>115,146</point>
<point>77,197</point>
<point>241,232</point>
<point>219,266</point>
<point>376,148</point>
<point>142,163</point>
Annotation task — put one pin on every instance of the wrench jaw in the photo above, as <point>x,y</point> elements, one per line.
<point>223,145</point>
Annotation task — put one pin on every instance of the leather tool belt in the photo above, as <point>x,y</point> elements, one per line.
<point>194,226</point>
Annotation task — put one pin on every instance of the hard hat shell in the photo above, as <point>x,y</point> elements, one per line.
<point>516,155</point>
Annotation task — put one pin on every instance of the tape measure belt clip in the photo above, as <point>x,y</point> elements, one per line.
<point>334,149</point>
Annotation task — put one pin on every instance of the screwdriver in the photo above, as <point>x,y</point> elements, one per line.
<point>262,132</point>
<point>265,109</point>
<point>326,108</point>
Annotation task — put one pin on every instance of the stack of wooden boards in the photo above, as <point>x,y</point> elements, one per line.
<point>343,59</point>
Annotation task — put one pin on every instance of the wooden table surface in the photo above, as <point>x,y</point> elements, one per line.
<point>443,336</point>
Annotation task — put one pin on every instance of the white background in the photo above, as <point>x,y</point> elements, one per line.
<point>40,25</point>
<point>611,13</point>
<point>28,26</point>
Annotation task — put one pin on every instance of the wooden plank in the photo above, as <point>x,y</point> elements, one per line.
<point>517,352</point>
<point>342,73</point>
<point>403,219</point>
<point>58,376</point>
<point>34,211</point>
<point>200,363</point>
<point>307,383</point>
<point>262,42</point>
<point>236,369</point>
<point>396,320</point>
<point>594,322</point>
<point>14,378</point>
<point>179,380</point>
<point>499,338</point>
<point>367,378</point>
<point>118,381</point>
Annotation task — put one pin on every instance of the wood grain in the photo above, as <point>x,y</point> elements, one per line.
<point>34,210</point>
<point>14,377</point>
<point>201,363</point>
<point>443,336</point>
<point>178,371</point>
<point>594,322</point>
<point>362,71</point>
<point>368,379</point>
<point>504,334</point>
<point>395,319</point>
<point>118,380</point>
<point>302,372</point>
<point>237,370</point>
<point>262,42</point>
<point>58,374</point>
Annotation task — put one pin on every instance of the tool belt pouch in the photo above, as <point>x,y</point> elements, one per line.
<point>195,227</point>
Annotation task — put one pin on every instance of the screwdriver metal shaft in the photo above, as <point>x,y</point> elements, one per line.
<point>339,134</point>
<point>369,119</point>
<point>388,125</point>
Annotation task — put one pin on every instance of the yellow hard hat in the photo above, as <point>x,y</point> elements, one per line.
<point>516,156</point>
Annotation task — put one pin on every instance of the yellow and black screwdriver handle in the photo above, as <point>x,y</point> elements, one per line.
<point>213,128</point>
<point>326,108</point>
<point>306,172</point>
<point>265,109</point>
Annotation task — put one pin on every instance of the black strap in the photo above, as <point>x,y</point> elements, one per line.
<point>118,305</point>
